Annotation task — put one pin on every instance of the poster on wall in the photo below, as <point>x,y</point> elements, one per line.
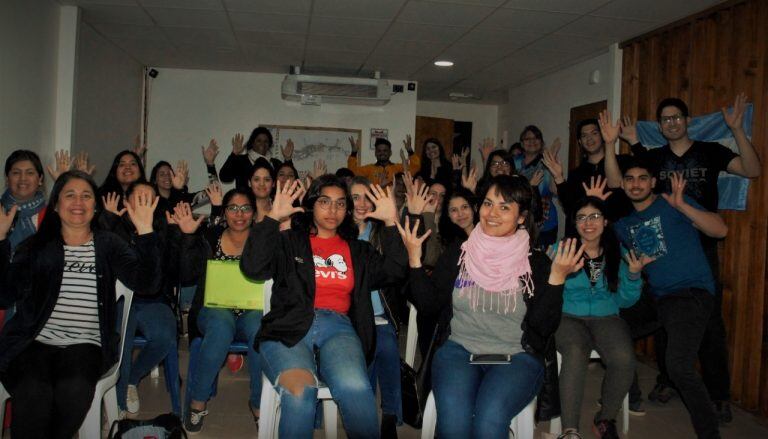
<point>313,143</point>
<point>378,133</point>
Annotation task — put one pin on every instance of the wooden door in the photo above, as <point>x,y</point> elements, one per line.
<point>439,128</point>
<point>588,111</point>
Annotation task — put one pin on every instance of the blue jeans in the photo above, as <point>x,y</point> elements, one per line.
<point>156,322</point>
<point>386,367</point>
<point>220,327</point>
<point>339,362</point>
<point>479,401</point>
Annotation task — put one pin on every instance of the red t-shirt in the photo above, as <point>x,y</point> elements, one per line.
<point>334,276</point>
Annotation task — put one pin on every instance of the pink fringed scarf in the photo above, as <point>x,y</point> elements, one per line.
<point>498,265</point>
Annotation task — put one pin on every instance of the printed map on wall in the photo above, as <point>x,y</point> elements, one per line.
<point>312,143</point>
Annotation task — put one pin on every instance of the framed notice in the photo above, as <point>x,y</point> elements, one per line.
<point>378,133</point>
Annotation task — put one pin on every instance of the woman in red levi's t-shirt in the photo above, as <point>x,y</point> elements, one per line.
<point>320,326</point>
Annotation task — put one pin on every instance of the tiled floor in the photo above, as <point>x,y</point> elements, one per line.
<point>230,418</point>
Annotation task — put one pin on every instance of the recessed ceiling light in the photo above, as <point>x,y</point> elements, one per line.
<point>444,63</point>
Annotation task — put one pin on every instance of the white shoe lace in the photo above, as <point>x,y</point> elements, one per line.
<point>196,417</point>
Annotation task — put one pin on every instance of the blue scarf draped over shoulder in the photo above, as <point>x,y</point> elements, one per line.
<point>24,224</point>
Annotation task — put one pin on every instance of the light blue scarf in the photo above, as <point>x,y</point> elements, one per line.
<point>24,224</point>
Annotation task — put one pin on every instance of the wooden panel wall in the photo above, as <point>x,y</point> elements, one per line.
<point>706,60</point>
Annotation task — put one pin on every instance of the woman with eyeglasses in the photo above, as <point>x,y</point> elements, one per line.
<point>590,321</point>
<point>321,324</point>
<point>531,165</point>
<point>217,326</point>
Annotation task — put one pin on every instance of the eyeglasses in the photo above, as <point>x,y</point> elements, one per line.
<point>588,218</point>
<point>669,120</point>
<point>500,163</point>
<point>234,208</point>
<point>326,203</point>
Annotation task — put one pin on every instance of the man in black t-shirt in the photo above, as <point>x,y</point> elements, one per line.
<point>700,164</point>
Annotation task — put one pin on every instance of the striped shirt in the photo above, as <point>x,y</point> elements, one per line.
<point>75,317</point>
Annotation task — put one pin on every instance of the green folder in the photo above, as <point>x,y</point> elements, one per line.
<point>227,287</point>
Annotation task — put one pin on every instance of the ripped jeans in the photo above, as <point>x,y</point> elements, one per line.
<point>332,352</point>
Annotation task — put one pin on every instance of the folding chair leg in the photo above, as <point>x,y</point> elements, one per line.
<point>330,418</point>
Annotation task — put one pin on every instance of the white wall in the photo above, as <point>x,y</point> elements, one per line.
<point>546,102</point>
<point>189,107</point>
<point>484,118</point>
<point>108,100</point>
<point>29,32</point>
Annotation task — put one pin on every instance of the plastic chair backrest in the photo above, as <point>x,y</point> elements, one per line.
<point>127,295</point>
<point>267,295</point>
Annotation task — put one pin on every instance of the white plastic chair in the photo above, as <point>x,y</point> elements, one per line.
<point>555,424</point>
<point>4,396</point>
<point>270,399</point>
<point>521,426</point>
<point>105,387</point>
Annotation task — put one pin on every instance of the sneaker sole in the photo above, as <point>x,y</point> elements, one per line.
<point>639,414</point>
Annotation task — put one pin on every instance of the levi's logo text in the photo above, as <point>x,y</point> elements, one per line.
<point>332,267</point>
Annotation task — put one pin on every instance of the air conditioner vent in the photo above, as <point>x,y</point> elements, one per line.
<point>335,90</point>
<point>346,90</point>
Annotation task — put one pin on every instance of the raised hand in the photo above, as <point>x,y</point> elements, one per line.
<point>140,148</point>
<point>354,144</point>
<point>469,179</point>
<point>319,168</point>
<point>608,129</point>
<point>142,213</point>
<point>404,159</point>
<point>568,259</point>
<point>675,198</point>
<point>282,205</point>
<point>628,130</point>
<point>287,150</point>
<point>412,241</point>
<point>6,220</point>
<point>180,175</point>
<point>734,118</point>
<point>553,165</point>
<point>537,178</point>
<point>596,188</point>
<point>457,162</point>
<point>486,148</point>
<point>81,163</point>
<point>636,264</point>
<point>384,201</point>
<point>62,164</point>
<point>408,181</point>
<point>210,153</point>
<point>408,144</point>
<point>111,203</point>
<point>214,194</point>
<point>417,199</point>
<point>182,216</point>
<point>238,144</point>
<point>554,148</point>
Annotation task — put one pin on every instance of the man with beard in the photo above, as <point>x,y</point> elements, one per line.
<point>383,171</point>
<point>666,229</point>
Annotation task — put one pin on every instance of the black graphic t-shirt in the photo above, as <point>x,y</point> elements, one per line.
<point>700,166</point>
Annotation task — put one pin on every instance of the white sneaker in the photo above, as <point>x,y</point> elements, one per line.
<point>132,400</point>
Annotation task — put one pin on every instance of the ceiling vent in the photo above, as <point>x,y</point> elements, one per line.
<point>313,89</point>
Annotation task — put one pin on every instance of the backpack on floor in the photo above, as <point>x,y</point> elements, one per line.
<point>166,426</point>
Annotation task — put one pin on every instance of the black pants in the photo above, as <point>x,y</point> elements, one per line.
<point>713,353</point>
<point>52,389</point>
<point>684,315</point>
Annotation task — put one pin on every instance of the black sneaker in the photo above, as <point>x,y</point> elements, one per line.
<point>388,427</point>
<point>605,429</point>
<point>571,434</point>
<point>661,393</point>
<point>193,422</point>
<point>636,408</point>
<point>723,411</point>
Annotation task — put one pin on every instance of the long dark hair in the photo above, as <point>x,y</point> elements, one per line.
<point>262,163</point>
<point>304,222</point>
<point>50,228</point>
<point>156,169</point>
<point>608,242</point>
<point>252,138</point>
<point>110,182</point>
<point>514,189</point>
<point>426,163</point>
<point>448,230</point>
<point>377,225</point>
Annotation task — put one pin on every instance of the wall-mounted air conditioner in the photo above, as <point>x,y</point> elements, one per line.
<point>314,90</point>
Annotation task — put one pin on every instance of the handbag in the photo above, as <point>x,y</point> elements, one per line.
<point>415,386</point>
<point>167,426</point>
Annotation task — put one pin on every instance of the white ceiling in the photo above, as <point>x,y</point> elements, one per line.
<point>495,44</point>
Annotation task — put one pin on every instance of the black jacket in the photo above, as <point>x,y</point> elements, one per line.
<point>32,280</point>
<point>433,295</point>
<point>286,257</point>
